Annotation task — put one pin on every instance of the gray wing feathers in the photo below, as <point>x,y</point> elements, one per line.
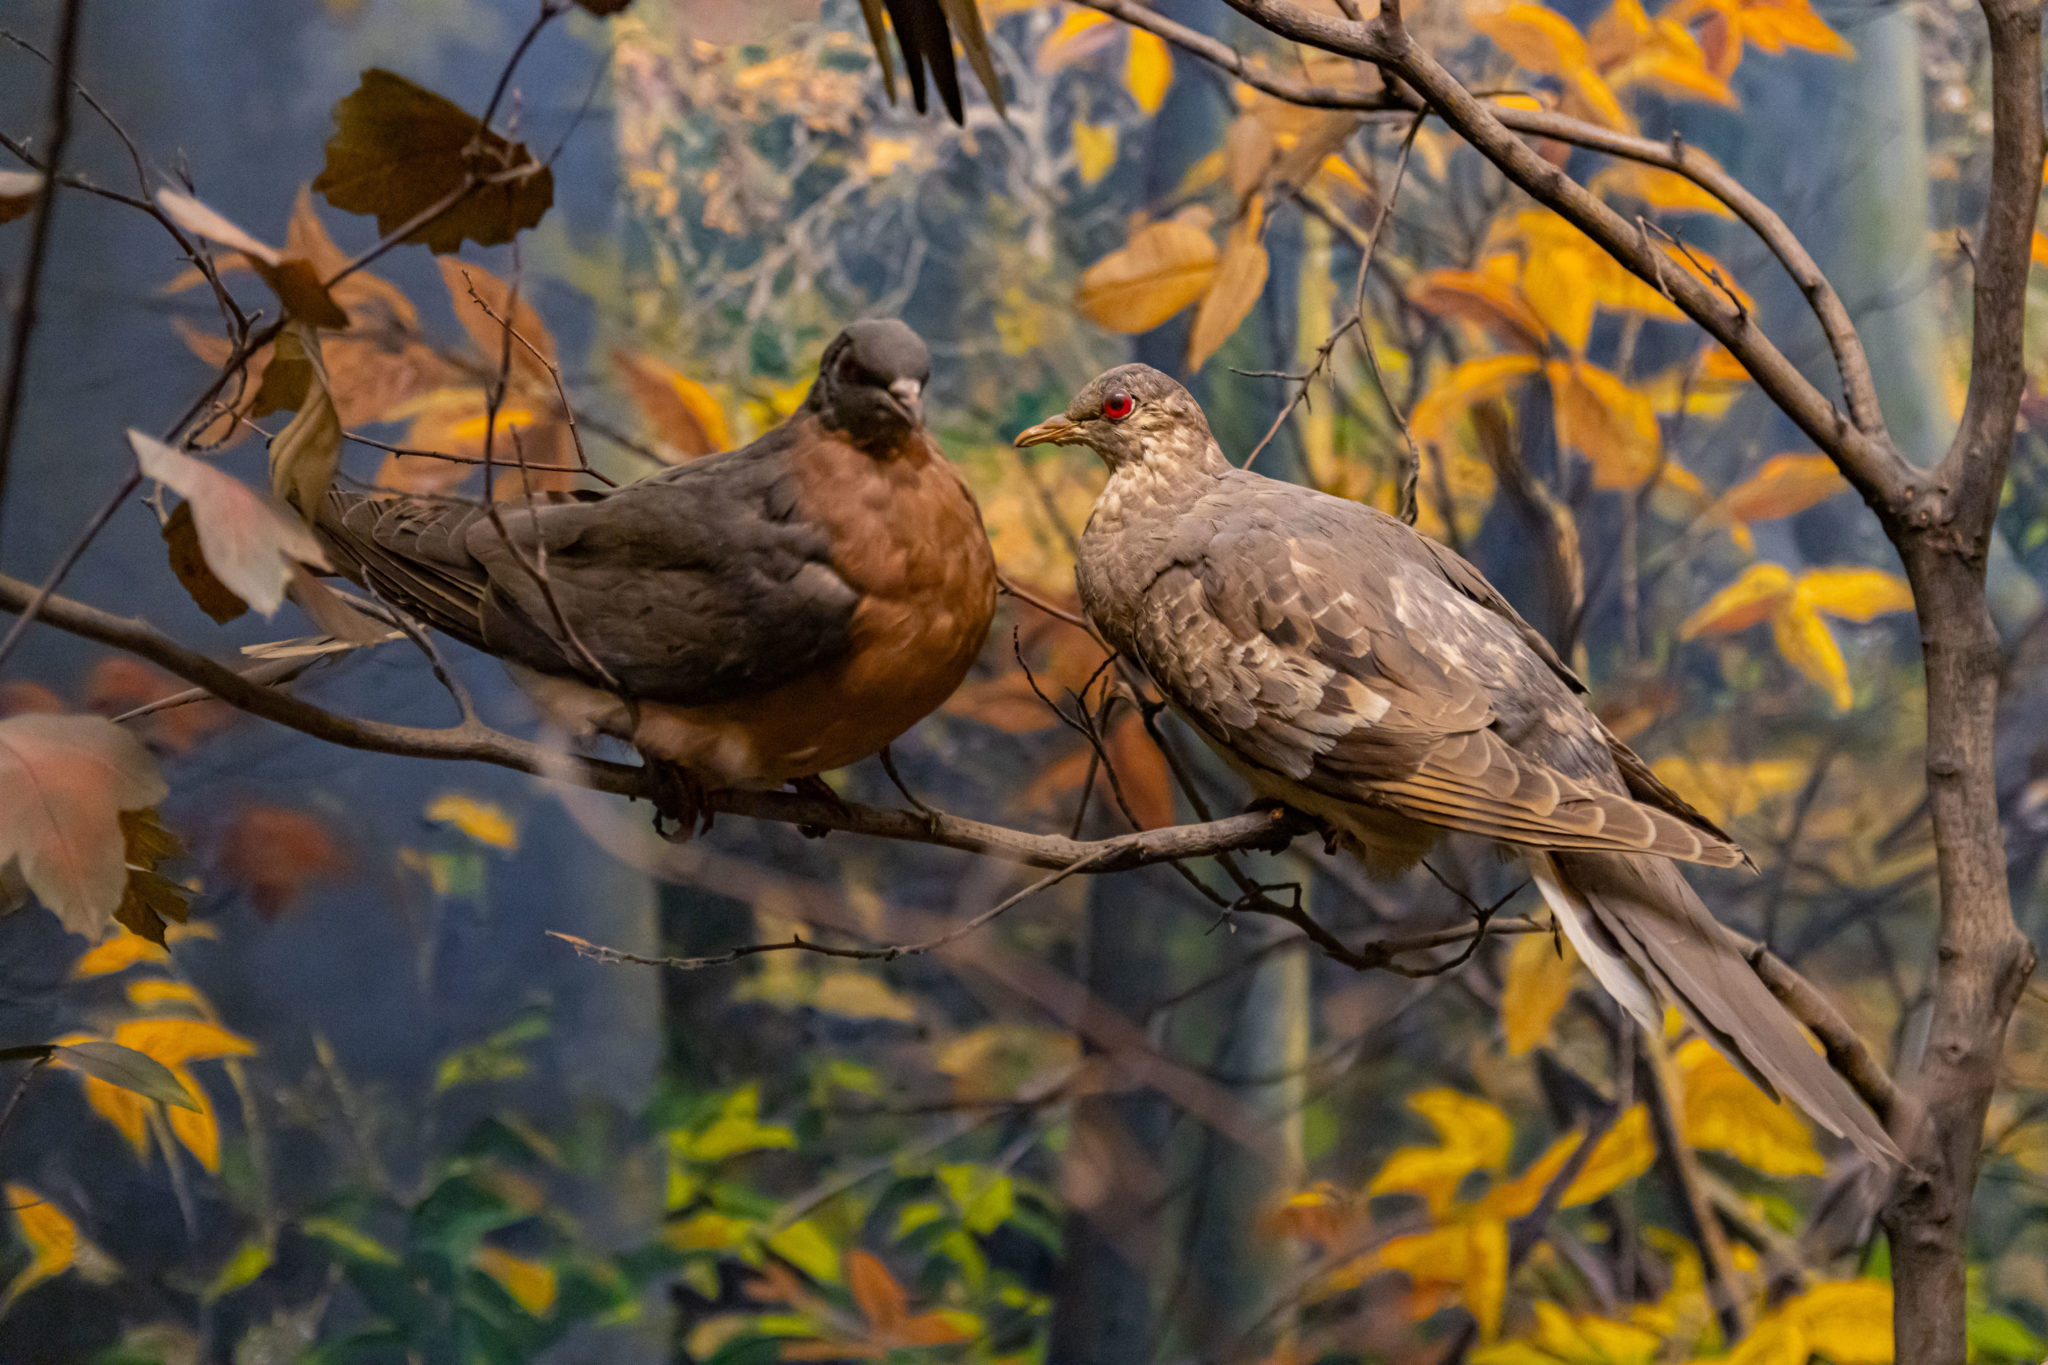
<point>693,587</point>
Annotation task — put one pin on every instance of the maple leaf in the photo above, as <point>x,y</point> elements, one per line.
<point>64,782</point>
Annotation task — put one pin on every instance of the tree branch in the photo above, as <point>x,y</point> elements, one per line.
<point>1973,471</point>
<point>39,235</point>
<point>1859,443</point>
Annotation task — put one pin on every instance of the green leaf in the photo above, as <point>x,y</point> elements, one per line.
<point>1998,1337</point>
<point>806,1247</point>
<point>984,1197</point>
<point>737,1129</point>
<point>129,1069</point>
<point>346,1239</point>
<point>249,1262</point>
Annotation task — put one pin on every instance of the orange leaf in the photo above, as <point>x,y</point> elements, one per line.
<point>488,335</point>
<point>681,412</point>
<point>1537,37</point>
<point>1474,381</point>
<point>1162,269</point>
<point>879,1297</point>
<point>1487,296</point>
<point>1602,418</point>
<point>1141,772</point>
<point>1659,188</point>
<point>1784,486</point>
<point>1753,597</point>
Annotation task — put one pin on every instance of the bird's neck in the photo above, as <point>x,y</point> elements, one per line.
<point>1164,479</point>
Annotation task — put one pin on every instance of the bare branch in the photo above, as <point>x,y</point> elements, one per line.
<point>59,136</point>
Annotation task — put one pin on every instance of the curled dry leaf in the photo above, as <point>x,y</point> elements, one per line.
<point>1240,279</point>
<point>306,454</point>
<point>19,191</point>
<point>1162,269</point>
<point>294,279</point>
<point>250,543</point>
<point>64,781</point>
<point>399,150</point>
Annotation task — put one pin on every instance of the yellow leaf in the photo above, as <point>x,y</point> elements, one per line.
<point>1470,1257</point>
<point>1659,188</point>
<point>197,1128</point>
<point>1162,269</point>
<point>159,992</point>
<point>1062,46</point>
<point>1753,597</point>
<point>1473,1134</point>
<point>1474,381</point>
<point>531,1284</point>
<point>1148,70</point>
<point>1809,646</point>
<point>857,995</point>
<point>1537,37</point>
<point>1847,1321</point>
<point>51,1236</point>
<point>1855,594</point>
<point>1784,486</point>
<point>1240,278</point>
<point>1673,74</point>
<point>483,821</point>
<point>1622,1154</point>
<point>1602,418</point>
<point>1539,982</point>
<point>1726,1112</point>
<point>117,952</point>
<point>177,1041</point>
<point>1563,1339</point>
<point>707,1232</point>
<point>884,154</point>
<point>1094,150</point>
<point>1729,791</point>
<point>1588,96</point>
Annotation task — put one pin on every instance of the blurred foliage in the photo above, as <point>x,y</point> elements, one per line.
<point>864,1161</point>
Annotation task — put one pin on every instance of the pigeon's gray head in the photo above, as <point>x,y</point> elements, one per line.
<point>871,384</point>
<point>1130,414</point>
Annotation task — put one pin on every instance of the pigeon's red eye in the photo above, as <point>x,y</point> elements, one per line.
<point>1118,406</point>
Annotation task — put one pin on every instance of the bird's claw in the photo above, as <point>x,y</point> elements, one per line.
<point>682,806</point>
<point>818,789</point>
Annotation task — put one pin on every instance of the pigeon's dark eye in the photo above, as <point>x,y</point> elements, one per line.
<point>1118,406</point>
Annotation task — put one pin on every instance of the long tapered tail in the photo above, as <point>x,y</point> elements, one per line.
<point>1647,937</point>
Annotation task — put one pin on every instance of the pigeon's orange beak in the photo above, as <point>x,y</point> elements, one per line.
<point>1056,430</point>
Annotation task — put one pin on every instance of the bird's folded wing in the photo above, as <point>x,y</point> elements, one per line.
<point>694,588</point>
<point>1342,657</point>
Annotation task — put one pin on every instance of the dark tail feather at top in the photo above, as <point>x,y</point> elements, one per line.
<point>1637,916</point>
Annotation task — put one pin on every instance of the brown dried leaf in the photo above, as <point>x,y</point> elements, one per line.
<point>295,281</point>
<point>1240,279</point>
<point>487,335</point>
<point>119,683</point>
<point>398,150</point>
<point>275,854</point>
<point>249,542</point>
<point>19,191</point>
<point>188,563</point>
<point>306,454</point>
<point>680,411</point>
<point>64,781</point>
<point>151,901</point>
